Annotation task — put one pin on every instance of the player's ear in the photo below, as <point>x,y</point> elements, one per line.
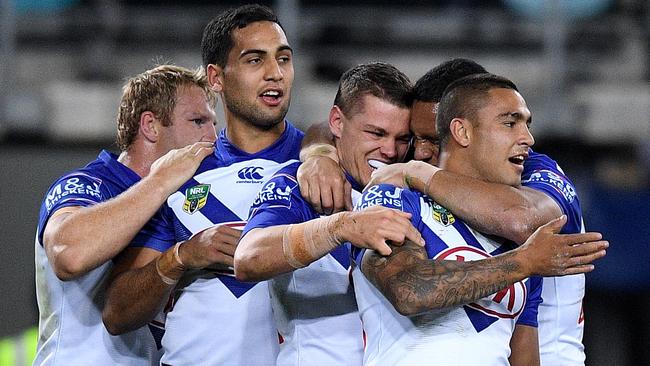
<point>336,121</point>
<point>461,131</point>
<point>214,74</point>
<point>149,126</point>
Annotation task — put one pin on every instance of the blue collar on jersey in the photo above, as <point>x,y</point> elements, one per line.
<point>229,153</point>
<point>356,186</point>
<point>123,173</point>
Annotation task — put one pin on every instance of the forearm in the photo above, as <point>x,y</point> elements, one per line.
<point>496,209</point>
<point>524,346</point>
<point>318,133</point>
<point>259,254</point>
<point>414,284</point>
<point>87,237</point>
<point>135,296</point>
<point>267,252</point>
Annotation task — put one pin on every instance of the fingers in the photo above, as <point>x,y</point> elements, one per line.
<point>327,199</point>
<point>414,235</point>
<point>347,196</point>
<point>579,238</point>
<point>382,248</point>
<point>554,225</point>
<point>314,198</point>
<point>587,248</point>
<point>585,268</point>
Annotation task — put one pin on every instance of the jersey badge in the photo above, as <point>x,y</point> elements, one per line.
<point>195,198</point>
<point>442,215</point>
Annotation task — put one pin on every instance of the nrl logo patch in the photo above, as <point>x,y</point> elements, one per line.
<point>195,198</point>
<point>442,215</point>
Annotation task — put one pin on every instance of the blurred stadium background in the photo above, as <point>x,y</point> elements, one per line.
<point>582,65</point>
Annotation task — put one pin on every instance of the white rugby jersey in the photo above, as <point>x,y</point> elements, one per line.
<point>314,307</point>
<point>561,320</point>
<point>71,331</point>
<point>474,334</point>
<point>216,319</point>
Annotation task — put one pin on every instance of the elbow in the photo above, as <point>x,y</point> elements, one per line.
<point>66,268</point>
<point>244,264</point>
<point>406,309</point>
<point>403,305</point>
<point>111,323</point>
<point>112,329</point>
<point>516,227</point>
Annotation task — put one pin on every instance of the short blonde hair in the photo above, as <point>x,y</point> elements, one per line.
<point>155,90</point>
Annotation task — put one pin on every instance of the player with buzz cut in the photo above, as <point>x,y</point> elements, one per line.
<point>464,295</point>
<point>214,319</point>
<point>91,214</point>
<point>303,254</point>
<point>546,192</point>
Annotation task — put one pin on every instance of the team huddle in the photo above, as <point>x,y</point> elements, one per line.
<point>415,227</point>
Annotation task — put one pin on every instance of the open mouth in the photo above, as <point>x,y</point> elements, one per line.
<point>518,159</point>
<point>376,164</point>
<point>272,96</point>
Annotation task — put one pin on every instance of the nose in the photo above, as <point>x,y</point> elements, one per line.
<point>527,137</point>
<point>389,148</point>
<point>211,133</point>
<point>422,152</point>
<point>273,71</point>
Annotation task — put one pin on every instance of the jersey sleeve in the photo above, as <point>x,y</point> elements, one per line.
<point>279,203</point>
<point>529,313</point>
<point>75,189</point>
<point>543,174</point>
<point>158,233</point>
<point>392,197</point>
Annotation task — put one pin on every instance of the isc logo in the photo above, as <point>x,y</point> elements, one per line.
<point>250,173</point>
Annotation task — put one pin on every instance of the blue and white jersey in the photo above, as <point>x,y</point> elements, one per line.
<point>71,331</point>
<point>216,319</point>
<point>314,307</point>
<point>561,321</point>
<point>473,334</point>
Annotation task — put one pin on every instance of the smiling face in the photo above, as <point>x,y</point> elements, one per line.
<point>423,128</point>
<point>256,81</point>
<point>377,131</point>
<point>499,138</point>
<point>192,119</point>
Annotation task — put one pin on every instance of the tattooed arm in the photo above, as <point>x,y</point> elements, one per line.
<point>414,284</point>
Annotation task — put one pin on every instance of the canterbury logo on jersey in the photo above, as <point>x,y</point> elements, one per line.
<point>250,173</point>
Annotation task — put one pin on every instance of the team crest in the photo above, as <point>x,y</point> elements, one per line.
<point>195,198</point>
<point>442,215</point>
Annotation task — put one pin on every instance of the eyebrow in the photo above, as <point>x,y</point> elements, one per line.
<point>516,115</point>
<point>263,52</point>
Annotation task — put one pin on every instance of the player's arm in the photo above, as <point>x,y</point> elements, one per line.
<point>414,284</point>
<point>143,278</point>
<point>524,346</point>
<point>491,208</point>
<point>267,252</point>
<point>321,179</point>
<point>78,239</point>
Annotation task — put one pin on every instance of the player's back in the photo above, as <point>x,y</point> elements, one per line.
<point>561,320</point>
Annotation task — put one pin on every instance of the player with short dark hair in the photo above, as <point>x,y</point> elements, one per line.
<point>304,254</point>
<point>546,192</point>
<point>462,292</point>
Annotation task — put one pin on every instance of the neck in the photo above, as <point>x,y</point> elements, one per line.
<point>249,138</point>
<point>453,160</point>
<point>139,158</point>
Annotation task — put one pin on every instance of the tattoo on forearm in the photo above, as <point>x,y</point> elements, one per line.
<point>414,283</point>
